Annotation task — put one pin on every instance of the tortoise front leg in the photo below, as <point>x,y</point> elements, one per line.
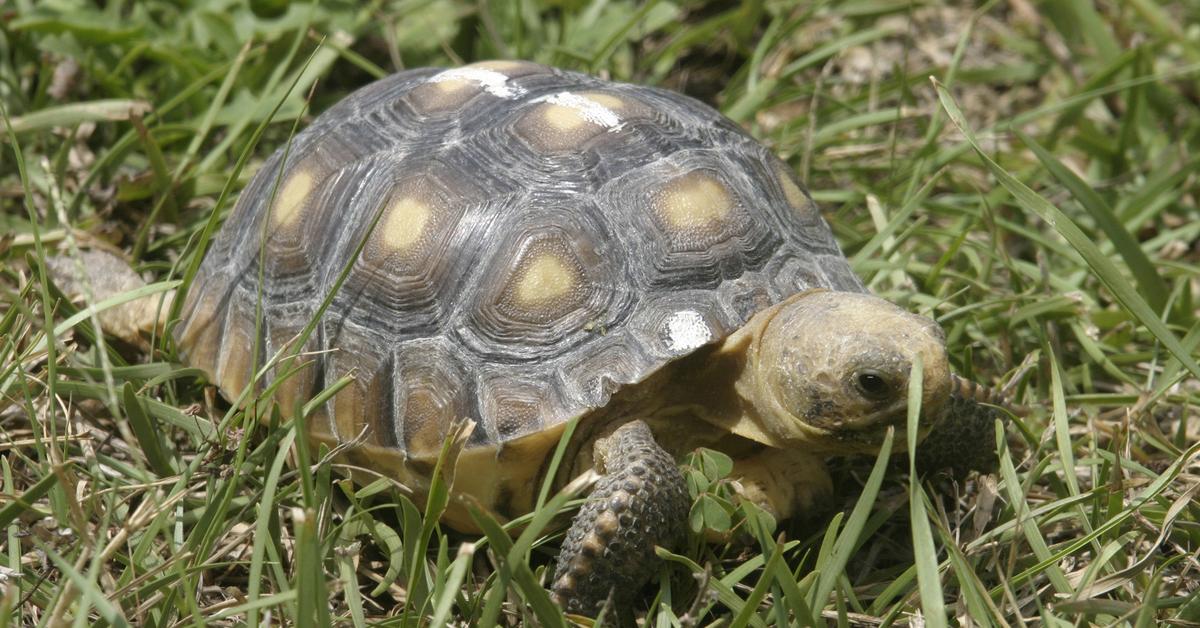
<point>641,501</point>
<point>964,440</point>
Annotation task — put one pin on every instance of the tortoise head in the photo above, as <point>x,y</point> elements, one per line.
<point>832,370</point>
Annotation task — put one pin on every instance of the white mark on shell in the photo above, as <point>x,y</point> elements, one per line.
<point>685,330</point>
<point>587,109</point>
<point>493,82</point>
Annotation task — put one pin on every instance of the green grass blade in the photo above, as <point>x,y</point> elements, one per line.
<point>77,113</point>
<point>311,589</point>
<point>452,585</point>
<point>435,504</point>
<point>742,619</point>
<point>1062,431</point>
<point>929,581</point>
<point>1150,284</point>
<point>725,593</point>
<point>111,302</point>
<point>501,545</point>
<point>94,596</point>
<point>1105,270</point>
<point>851,535</point>
<point>555,461</point>
<point>979,604</point>
<point>262,532</point>
<point>350,589</point>
<point>196,426</point>
<point>152,444</point>
<point>25,501</point>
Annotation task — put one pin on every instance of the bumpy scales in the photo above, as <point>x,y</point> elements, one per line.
<point>641,501</point>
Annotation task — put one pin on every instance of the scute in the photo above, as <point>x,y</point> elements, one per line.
<point>432,392</point>
<point>360,410</point>
<point>547,276</point>
<point>695,207</point>
<point>412,219</point>
<point>548,280</point>
<point>513,244</point>
<point>695,218</point>
<point>516,405</point>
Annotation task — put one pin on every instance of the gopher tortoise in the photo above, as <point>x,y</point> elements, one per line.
<point>517,246</point>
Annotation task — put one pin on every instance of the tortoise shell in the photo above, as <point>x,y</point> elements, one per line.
<point>517,243</point>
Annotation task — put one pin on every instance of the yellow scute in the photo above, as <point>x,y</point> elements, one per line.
<point>545,278</point>
<point>694,200</point>
<point>795,197</point>
<point>450,86</point>
<point>407,220</point>
<point>608,101</point>
<point>562,118</point>
<point>291,198</point>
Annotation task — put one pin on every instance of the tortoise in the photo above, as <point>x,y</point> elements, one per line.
<point>519,246</point>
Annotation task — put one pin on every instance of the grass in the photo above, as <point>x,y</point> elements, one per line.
<point>1038,198</point>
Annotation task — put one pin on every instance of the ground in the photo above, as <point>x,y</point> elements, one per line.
<point>1020,171</point>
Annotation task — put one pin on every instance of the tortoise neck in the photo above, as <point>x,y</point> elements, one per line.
<point>681,403</point>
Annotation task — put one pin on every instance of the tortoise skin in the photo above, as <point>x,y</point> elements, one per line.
<point>541,239</point>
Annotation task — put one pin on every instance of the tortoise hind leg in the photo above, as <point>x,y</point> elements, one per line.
<point>641,501</point>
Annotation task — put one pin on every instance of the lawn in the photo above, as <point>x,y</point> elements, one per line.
<point>1020,171</point>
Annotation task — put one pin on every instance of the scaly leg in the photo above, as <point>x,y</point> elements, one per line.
<point>641,501</point>
<point>964,440</point>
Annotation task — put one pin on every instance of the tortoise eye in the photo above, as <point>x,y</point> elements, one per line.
<point>872,385</point>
